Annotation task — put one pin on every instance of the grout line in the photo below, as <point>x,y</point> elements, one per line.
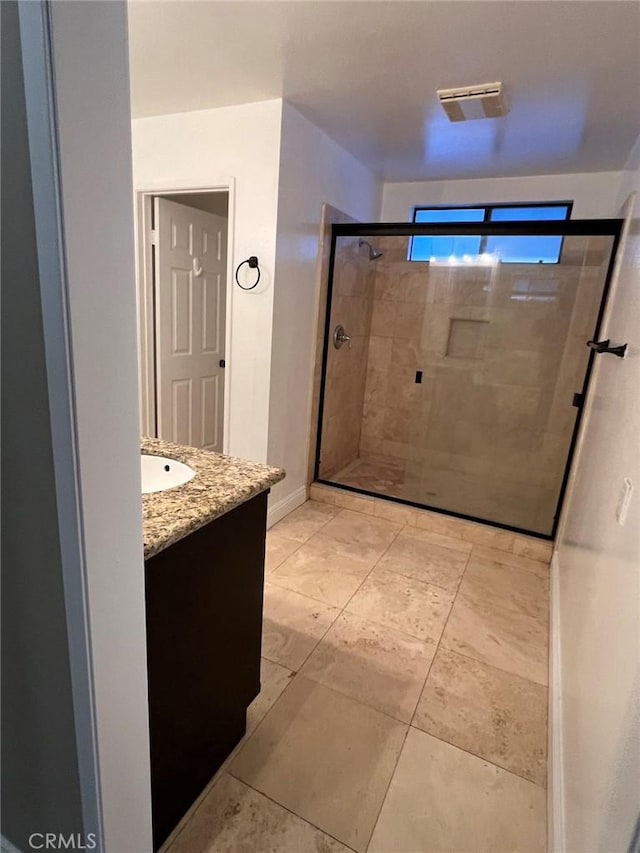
<point>290,811</point>
<point>298,674</point>
<point>448,590</point>
<point>302,594</point>
<point>282,562</point>
<point>320,639</point>
<point>304,541</point>
<point>347,603</point>
<point>190,814</point>
<point>493,666</point>
<point>438,644</point>
<point>344,609</point>
<point>386,791</point>
<point>481,757</point>
<point>510,565</point>
<point>361,701</point>
<point>224,767</point>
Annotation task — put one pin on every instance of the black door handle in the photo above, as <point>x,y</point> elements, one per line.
<point>604,346</point>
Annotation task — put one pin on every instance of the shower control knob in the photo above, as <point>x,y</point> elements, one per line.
<point>340,337</point>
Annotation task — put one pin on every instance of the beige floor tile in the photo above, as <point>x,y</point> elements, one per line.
<point>233,818</point>
<point>273,680</point>
<point>319,570</point>
<point>325,757</point>
<point>361,536</point>
<point>515,560</point>
<point>442,524</point>
<point>374,664</point>
<point>499,637</point>
<point>481,534</point>
<point>493,714</point>
<point>395,512</point>
<point>357,503</point>
<point>292,626</point>
<point>303,522</point>
<point>443,800</point>
<point>414,555</point>
<point>507,586</point>
<point>404,604</point>
<point>535,549</point>
<point>444,541</point>
<point>278,548</point>
<point>323,494</point>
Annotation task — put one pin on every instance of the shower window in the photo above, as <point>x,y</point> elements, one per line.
<point>450,385</point>
<point>520,249</point>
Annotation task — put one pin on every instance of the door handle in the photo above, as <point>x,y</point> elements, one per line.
<point>605,346</point>
<point>340,337</point>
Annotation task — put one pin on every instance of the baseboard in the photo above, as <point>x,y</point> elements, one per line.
<point>285,505</point>
<point>555,761</point>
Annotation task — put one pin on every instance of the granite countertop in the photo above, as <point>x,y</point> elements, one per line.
<point>221,484</point>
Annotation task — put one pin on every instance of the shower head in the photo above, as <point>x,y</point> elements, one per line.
<point>374,254</point>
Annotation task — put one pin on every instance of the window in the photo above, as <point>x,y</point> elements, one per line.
<point>509,249</point>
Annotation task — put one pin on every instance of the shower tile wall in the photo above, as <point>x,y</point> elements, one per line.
<point>351,306</point>
<point>501,350</point>
<point>330,216</point>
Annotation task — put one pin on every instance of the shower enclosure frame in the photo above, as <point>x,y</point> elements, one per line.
<point>539,228</point>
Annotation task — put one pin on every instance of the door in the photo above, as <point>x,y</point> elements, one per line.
<point>190,296</point>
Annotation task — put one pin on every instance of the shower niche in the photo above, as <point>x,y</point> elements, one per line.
<point>455,389</point>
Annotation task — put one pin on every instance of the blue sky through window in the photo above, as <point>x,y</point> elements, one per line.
<point>509,249</point>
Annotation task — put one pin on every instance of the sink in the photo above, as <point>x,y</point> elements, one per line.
<point>160,473</point>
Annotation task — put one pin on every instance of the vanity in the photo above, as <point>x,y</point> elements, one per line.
<point>204,573</point>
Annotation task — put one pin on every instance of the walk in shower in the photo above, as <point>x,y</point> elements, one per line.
<point>455,363</point>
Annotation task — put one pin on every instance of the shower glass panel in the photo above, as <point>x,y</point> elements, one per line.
<point>456,389</point>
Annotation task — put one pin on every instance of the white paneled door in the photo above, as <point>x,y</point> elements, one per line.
<point>190,290</point>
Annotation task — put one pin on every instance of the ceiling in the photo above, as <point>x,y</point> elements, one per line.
<point>366,71</point>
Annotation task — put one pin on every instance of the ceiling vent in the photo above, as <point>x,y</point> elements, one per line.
<point>471,102</point>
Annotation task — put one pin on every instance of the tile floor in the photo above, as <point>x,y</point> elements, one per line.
<point>404,699</point>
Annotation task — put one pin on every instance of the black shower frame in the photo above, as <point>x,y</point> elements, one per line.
<point>539,228</point>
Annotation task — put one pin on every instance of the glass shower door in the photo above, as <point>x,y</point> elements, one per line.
<point>466,371</point>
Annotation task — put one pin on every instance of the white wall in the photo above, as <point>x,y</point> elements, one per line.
<point>204,149</point>
<point>598,591</point>
<point>594,193</point>
<point>49,777</point>
<point>92,100</point>
<point>313,170</point>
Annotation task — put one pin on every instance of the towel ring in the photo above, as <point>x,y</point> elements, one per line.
<point>253,264</point>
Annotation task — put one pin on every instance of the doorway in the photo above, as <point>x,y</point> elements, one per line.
<point>183,306</point>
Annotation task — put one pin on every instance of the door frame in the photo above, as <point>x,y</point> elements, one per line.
<point>143,200</point>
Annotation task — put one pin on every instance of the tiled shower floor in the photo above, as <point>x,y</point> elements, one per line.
<point>481,496</point>
<point>373,475</point>
<point>403,703</point>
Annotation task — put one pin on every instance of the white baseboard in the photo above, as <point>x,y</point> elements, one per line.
<point>285,505</point>
<point>555,760</point>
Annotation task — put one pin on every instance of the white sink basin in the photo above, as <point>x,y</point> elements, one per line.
<point>160,473</point>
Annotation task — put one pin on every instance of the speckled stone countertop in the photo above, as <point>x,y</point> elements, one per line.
<point>221,484</point>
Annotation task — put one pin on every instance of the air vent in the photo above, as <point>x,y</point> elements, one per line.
<point>471,102</point>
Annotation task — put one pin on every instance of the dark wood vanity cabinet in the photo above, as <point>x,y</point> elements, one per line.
<point>204,620</point>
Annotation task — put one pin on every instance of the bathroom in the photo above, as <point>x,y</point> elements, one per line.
<point>344,540</point>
